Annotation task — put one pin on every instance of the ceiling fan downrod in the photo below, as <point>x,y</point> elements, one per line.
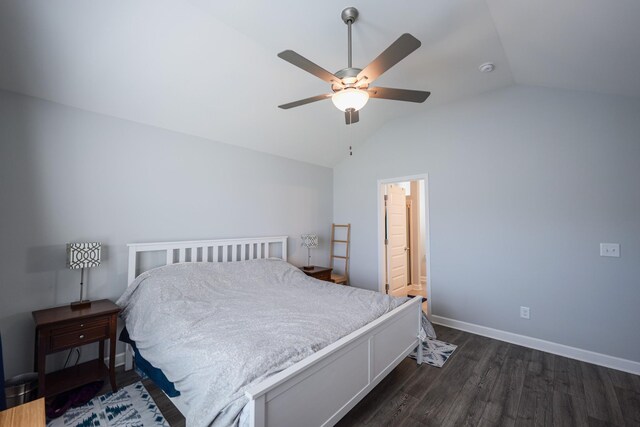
<point>349,16</point>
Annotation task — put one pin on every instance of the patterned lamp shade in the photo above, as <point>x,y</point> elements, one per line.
<point>83,255</point>
<point>309,240</point>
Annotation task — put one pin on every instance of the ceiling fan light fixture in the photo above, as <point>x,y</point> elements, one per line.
<point>350,98</point>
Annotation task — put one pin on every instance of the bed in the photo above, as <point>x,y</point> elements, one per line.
<point>279,367</point>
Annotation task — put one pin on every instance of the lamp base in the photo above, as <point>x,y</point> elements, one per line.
<point>308,267</point>
<point>77,305</point>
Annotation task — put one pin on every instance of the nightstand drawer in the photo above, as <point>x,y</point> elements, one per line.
<point>78,337</point>
<point>79,326</point>
<point>320,273</point>
<point>325,275</point>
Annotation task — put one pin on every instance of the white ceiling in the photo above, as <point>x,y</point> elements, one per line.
<point>209,68</point>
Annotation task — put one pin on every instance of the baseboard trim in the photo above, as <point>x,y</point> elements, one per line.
<point>119,359</point>
<point>538,344</point>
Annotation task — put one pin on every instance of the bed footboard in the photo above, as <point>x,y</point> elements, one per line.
<point>321,389</point>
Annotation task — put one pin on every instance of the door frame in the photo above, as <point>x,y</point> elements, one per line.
<point>425,200</point>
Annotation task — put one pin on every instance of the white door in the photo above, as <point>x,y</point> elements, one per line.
<point>396,244</point>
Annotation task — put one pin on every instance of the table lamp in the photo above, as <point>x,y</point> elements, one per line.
<point>82,255</point>
<point>309,241</point>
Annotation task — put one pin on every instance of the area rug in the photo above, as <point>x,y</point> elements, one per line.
<point>131,406</point>
<point>435,353</point>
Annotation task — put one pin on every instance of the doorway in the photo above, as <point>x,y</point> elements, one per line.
<point>403,237</point>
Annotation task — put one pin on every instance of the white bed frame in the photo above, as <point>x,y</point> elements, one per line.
<point>321,389</point>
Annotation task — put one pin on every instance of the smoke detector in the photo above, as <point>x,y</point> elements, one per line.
<point>487,67</point>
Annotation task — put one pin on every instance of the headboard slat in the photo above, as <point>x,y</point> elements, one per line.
<point>258,248</point>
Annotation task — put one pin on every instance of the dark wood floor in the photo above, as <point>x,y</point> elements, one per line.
<point>486,383</point>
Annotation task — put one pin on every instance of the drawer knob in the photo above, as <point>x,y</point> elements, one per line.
<point>81,336</point>
<point>82,325</point>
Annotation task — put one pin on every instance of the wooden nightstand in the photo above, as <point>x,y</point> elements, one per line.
<point>320,273</point>
<point>61,328</point>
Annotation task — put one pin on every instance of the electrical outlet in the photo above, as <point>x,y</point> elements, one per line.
<point>610,249</point>
<point>524,312</point>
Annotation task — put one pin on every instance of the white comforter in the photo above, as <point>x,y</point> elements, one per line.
<point>216,328</point>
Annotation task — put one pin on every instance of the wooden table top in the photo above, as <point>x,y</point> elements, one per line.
<point>30,414</point>
<point>316,269</point>
<point>57,314</point>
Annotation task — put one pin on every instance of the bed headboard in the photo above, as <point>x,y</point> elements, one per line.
<point>223,250</point>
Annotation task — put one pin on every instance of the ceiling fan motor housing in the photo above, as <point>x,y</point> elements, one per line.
<point>349,77</point>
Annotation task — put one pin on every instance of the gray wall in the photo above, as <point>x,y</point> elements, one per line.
<point>524,184</point>
<point>71,175</point>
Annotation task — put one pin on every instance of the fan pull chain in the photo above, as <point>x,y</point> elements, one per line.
<point>350,132</point>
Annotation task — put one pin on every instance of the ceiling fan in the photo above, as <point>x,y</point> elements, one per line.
<point>350,86</point>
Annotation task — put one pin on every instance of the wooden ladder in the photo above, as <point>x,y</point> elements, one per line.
<point>341,279</point>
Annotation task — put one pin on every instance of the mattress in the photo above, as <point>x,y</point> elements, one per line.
<point>215,329</point>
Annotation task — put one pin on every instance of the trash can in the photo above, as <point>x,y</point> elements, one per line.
<point>21,389</point>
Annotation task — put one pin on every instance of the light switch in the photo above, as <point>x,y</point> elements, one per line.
<point>610,249</point>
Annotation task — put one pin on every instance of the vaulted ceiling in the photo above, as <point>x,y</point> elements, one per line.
<point>209,68</point>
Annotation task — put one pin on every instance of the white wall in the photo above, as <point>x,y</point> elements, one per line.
<point>524,184</point>
<point>70,175</point>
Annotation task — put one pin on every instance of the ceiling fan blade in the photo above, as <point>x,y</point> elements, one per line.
<point>399,49</point>
<point>398,94</point>
<point>302,62</point>
<point>304,101</point>
<point>351,116</point>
